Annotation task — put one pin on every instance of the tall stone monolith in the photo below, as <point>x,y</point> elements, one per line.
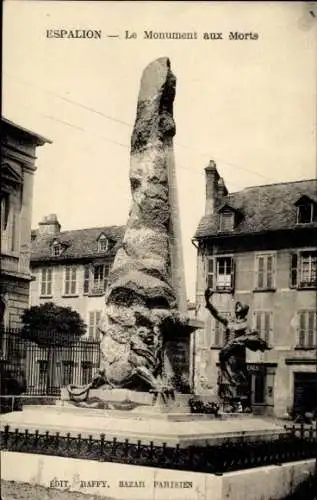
<point>146,296</point>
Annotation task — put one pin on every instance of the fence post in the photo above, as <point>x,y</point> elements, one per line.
<point>6,436</point>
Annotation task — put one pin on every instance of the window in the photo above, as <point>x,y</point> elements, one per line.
<point>263,324</point>
<point>265,272</point>
<point>86,279</point>
<point>70,284</point>
<point>100,278</point>
<point>307,330</point>
<point>46,282</point>
<point>258,383</point>
<point>221,334</point>
<point>67,372</point>
<point>87,372</point>
<point>43,364</point>
<point>56,249</point>
<point>261,378</point>
<point>102,243</point>
<point>93,322</point>
<point>306,213</point>
<point>5,208</point>
<point>303,269</point>
<point>14,235</point>
<point>220,273</point>
<point>226,221</point>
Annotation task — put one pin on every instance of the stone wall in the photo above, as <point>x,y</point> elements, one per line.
<point>265,483</point>
<point>17,298</point>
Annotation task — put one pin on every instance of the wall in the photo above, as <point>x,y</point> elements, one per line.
<point>284,302</point>
<point>17,299</point>
<point>16,239</point>
<point>81,303</point>
<point>265,483</point>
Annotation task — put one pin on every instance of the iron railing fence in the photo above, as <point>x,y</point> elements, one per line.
<point>42,367</point>
<point>295,444</point>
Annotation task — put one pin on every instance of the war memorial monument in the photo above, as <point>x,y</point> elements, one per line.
<point>133,422</point>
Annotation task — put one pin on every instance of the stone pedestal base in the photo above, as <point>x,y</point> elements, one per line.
<point>171,428</point>
<point>123,399</point>
<point>110,396</point>
<point>179,404</point>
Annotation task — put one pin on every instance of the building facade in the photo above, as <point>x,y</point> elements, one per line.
<point>18,149</point>
<point>259,246</point>
<point>70,268</point>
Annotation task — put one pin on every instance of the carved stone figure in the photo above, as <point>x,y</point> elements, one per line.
<point>233,380</point>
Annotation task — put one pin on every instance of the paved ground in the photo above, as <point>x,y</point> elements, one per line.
<point>22,491</point>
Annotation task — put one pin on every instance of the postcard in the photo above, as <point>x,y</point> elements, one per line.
<point>158,247</point>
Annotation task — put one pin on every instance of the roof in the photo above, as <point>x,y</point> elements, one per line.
<point>264,208</point>
<point>39,139</point>
<point>79,243</point>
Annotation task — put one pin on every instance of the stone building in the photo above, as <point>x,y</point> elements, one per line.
<point>259,246</point>
<point>18,150</point>
<point>70,268</point>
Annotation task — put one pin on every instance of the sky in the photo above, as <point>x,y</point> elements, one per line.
<point>250,105</point>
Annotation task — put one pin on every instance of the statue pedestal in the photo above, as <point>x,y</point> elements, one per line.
<point>128,402</point>
<point>179,403</point>
<point>171,428</point>
<point>178,362</point>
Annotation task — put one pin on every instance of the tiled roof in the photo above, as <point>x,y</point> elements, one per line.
<point>264,208</point>
<point>79,243</point>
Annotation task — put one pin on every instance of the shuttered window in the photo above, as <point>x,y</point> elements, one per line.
<point>210,273</point>
<point>93,322</point>
<point>70,282</point>
<point>303,269</point>
<point>265,272</point>
<point>263,324</point>
<point>46,282</point>
<point>86,279</point>
<point>220,273</point>
<point>307,336</point>
<point>100,277</point>
<point>293,270</point>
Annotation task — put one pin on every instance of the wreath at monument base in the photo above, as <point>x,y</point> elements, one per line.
<point>200,406</point>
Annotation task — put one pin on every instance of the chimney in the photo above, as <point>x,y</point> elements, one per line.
<point>222,190</point>
<point>49,225</point>
<point>212,178</point>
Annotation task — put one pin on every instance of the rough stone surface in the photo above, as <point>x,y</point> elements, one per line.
<point>140,300</point>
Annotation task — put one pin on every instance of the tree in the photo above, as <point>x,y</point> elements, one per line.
<point>52,324</point>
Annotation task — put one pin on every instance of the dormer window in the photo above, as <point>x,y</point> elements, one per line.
<point>103,243</point>
<point>226,221</point>
<point>306,210</point>
<point>56,248</point>
<point>229,218</point>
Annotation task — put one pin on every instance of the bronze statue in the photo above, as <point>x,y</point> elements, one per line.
<point>233,380</point>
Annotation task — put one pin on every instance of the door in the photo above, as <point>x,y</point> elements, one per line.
<point>305,392</point>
